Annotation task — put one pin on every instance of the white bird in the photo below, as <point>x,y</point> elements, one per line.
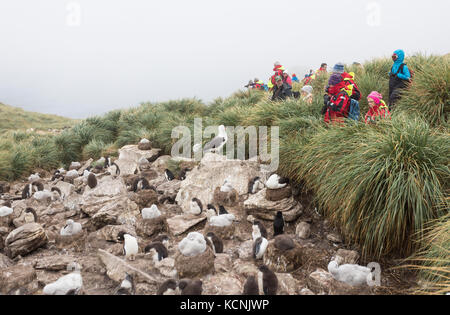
<point>130,246</point>
<point>219,220</point>
<point>34,177</point>
<point>226,187</point>
<point>276,182</point>
<point>218,142</point>
<point>69,284</point>
<point>43,195</point>
<point>196,207</point>
<point>72,174</point>
<point>151,213</point>
<point>192,245</point>
<point>353,275</point>
<point>4,211</point>
<point>259,247</point>
<point>145,141</point>
<point>86,173</point>
<point>71,228</point>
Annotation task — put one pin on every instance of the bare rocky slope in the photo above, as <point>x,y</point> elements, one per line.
<point>34,254</point>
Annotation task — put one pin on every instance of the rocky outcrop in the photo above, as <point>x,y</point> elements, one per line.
<point>258,206</point>
<point>195,267</point>
<point>16,277</point>
<point>202,181</point>
<point>282,261</point>
<point>145,198</point>
<point>25,239</point>
<point>129,157</point>
<point>53,263</point>
<point>151,227</point>
<point>223,232</point>
<point>182,223</point>
<point>303,230</point>
<point>222,284</point>
<point>110,233</point>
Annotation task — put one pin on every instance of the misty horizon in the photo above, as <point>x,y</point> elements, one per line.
<point>84,58</point>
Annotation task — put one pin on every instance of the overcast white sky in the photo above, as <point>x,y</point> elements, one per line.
<point>86,57</point>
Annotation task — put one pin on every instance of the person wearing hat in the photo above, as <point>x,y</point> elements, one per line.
<point>336,101</point>
<point>399,76</point>
<point>306,93</point>
<point>281,90</point>
<point>377,108</point>
<point>339,68</point>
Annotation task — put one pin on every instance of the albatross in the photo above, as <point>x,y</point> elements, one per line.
<point>215,144</point>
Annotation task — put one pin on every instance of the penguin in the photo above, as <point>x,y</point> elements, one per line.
<point>255,185</point>
<point>222,210</point>
<point>211,207</point>
<point>57,175</point>
<point>276,182</point>
<point>126,287</point>
<point>157,250</point>
<point>284,242</point>
<point>168,287</point>
<point>33,212</point>
<point>151,213</point>
<point>218,220</point>
<point>196,206</point>
<point>258,230</point>
<point>108,162</point>
<point>38,186</point>
<point>92,181</point>
<point>183,173</point>
<point>215,242</point>
<point>267,281</point>
<point>117,168</point>
<point>70,284</point>
<point>34,177</point>
<point>251,286</point>
<point>57,191</point>
<point>141,184</point>
<point>169,175</point>
<point>130,246</point>
<point>164,239</point>
<point>226,187</point>
<point>27,191</point>
<point>71,228</point>
<point>190,287</point>
<point>168,199</point>
<point>192,245</point>
<point>278,224</point>
<point>259,247</point>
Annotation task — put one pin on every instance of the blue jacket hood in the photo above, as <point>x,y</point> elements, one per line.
<point>401,57</point>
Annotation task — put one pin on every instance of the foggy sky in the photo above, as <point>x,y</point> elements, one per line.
<point>123,53</point>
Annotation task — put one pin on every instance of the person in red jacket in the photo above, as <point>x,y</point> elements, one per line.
<point>337,100</point>
<point>377,108</point>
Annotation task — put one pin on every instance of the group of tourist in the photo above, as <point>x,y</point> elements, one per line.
<point>342,95</point>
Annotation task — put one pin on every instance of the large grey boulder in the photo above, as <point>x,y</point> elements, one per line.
<point>129,157</point>
<point>261,208</point>
<point>182,223</point>
<point>25,239</point>
<point>16,277</point>
<point>202,181</point>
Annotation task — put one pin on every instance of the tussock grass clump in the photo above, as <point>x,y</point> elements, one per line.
<point>429,94</point>
<point>381,184</point>
<point>94,149</point>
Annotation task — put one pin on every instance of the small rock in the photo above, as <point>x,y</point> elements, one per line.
<point>222,284</point>
<point>303,230</point>
<point>347,256</point>
<point>335,238</point>
<point>245,251</point>
<point>222,263</point>
<point>181,223</point>
<point>306,291</point>
<point>195,267</point>
<point>250,219</point>
<point>151,227</point>
<point>12,278</point>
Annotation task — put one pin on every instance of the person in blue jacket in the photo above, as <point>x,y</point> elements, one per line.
<point>398,77</point>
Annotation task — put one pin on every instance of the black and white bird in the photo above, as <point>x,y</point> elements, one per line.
<point>157,250</point>
<point>183,173</point>
<point>215,242</point>
<point>267,281</point>
<point>130,246</point>
<point>255,185</point>
<point>258,230</point>
<point>190,287</point>
<point>126,286</point>
<point>34,177</point>
<point>169,287</point>
<point>260,247</point>
<point>278,224</point>
<point>164,239</point>
<point>70,284</point>
<point>196,207</point>
<point>251,286</point>
<point>169,175</point>
<point>92,181</point>
<point>211,207</point>
<point>219,220</point>
<point>216,143</point>
<point>276,182</point>
<point>141,184</point>
<point>33,213</point>
<point>224,212</point>
<point>57,194</point>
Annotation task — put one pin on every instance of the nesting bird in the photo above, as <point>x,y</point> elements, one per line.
<point>169,175</point>
<point>92,181</point>
<point>278,224</point>
<point>218,220</point>
<point>164,239</point>
<point>157,250</point>
<point>190,287</point>
<point>354,275</point>
<point>196,206</point>
<point>276,182</point>
<point>71,228</point>
<point>34,177</point>
<point>151,213</point>
<point>70,284</point>
<point>255,185</point>
<point>141,184</point>
<point>168,287</point>
<point>33,213</point>
<point>130,246</point>
<point>192,245</point>
<point>4,211</point>
<point>251,286</point>
<point>216,143</point>
<point>226,187</point>
<point>215,242</point>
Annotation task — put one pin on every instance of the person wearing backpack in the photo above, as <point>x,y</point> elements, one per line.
<point>337,101</point>
<point>377,108</point>
<point>399,77</point>
<point>281,90</point>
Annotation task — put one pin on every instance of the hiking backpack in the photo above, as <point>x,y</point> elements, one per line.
<point>353,111</point>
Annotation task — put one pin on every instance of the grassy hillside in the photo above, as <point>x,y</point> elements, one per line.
<point>14,118</point>
<point>382,185</point>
